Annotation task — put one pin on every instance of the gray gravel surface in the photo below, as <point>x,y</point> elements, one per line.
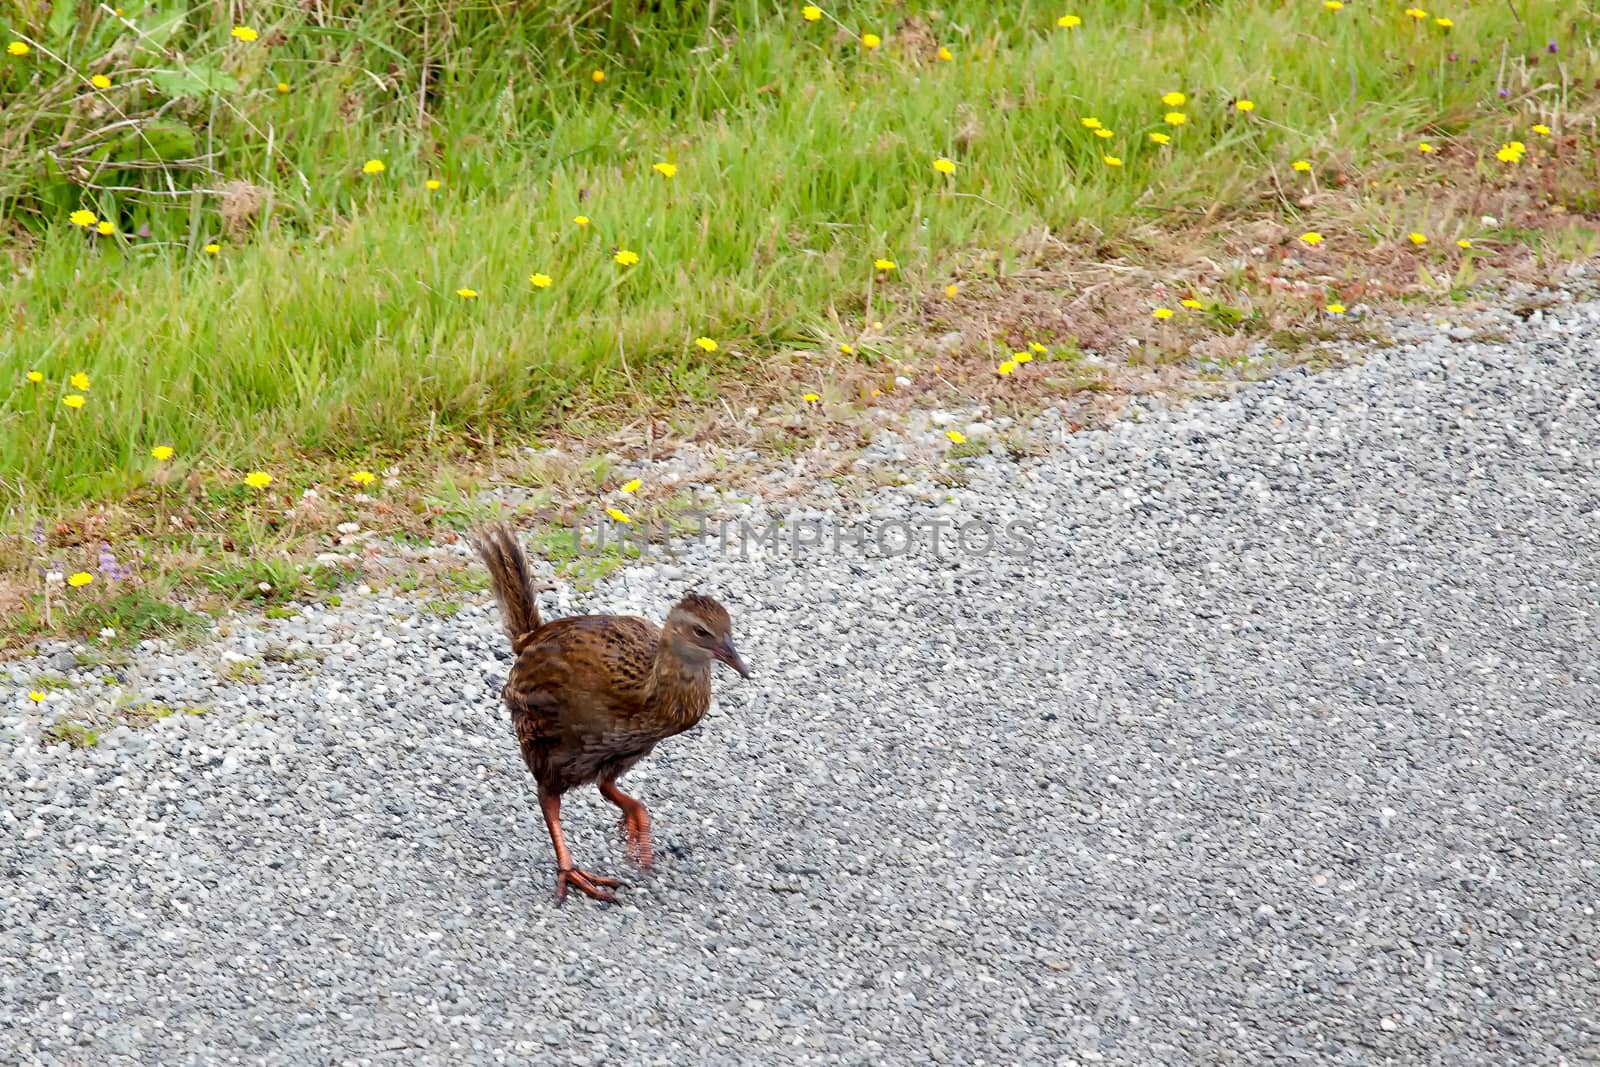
<point>1280,745</point>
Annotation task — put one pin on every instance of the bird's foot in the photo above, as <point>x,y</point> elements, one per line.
<point>639,849</point>
<point>590,885</point>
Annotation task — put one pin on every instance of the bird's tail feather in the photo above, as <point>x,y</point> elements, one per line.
<point>513,584</point>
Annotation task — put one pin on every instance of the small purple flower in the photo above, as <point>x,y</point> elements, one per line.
<point>1505,94</point>
<point>1552,48</point>
<point>109,567</point>
<point>38,534</point>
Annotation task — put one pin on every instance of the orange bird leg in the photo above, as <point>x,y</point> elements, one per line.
<point>566,873</point>
<point>635,823</point>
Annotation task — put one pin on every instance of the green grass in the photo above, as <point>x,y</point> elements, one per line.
<point>329,323</point>
<point>74,734</point>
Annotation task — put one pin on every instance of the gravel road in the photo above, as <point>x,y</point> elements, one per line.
<point>1279,745</point>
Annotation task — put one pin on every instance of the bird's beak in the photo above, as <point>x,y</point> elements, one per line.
<point>730,655</point>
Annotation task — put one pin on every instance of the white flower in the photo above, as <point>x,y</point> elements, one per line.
<point>1490,221</point>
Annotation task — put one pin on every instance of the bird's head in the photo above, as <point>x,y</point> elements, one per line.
<point>699,631</point>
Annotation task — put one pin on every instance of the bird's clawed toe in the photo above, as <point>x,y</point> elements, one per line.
<point>590,885</point>
<point>637,835</point>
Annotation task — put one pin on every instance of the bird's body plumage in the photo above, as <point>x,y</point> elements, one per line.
<point>584,702</point>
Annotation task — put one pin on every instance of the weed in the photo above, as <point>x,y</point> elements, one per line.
<point>73,734</point>
<point>136,614</point>
<point>246,672</point>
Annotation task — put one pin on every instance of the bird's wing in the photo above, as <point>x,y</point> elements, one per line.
<point>579,673</point>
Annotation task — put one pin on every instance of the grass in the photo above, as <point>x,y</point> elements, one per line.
<point>326,333</point>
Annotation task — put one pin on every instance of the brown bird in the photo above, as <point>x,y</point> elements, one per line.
<point>591,695</point>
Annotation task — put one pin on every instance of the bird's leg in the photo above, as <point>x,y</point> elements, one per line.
<point>635,823</point>
<point>589,884</point>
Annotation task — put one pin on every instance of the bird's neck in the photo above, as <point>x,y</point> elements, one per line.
<point>679,691</point>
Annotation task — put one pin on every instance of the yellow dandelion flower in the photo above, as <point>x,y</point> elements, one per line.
<point>810,398</point>
<point>1301,165</point>
<point>373,166</point>
<point>944,166</point>
<point>80,382</point>
<point>1335,309</point>
<point>1541,129</point>
<point>432,184</point>
<point>105,228</point>
<point>1175,118</point>
<point>1089,122</point>
<point>956,437</point>
<point>1443,24</point>
<point>1067,22</point>
<point>1174,99</point>
<point>597,76</point>
<point>83,217</point>
<point>1417,238</point>
<point>245,34</point>
<point>73,400</point>
<point>539,281</point>
<point>848,350</point>
<point>666,170</point>
<point>618,516</point>
<point>1162,313</point>
<point>1312,238</point>
<point>1333,5</point>
<point>705,344</point>
<point>467,294</point>
<point>625,257</point>
<point>871,40</point>
<point>213,248</point>
<point>35,376</point>
<point>944,55</point>
<point>17,48</point>
<point>80,579</point>
<point>1160,138</point>
<point>1036,347</point>
<point>1464,243</point>
<point>811,12</point>
<point>1192,304</point>
<point>1244,105</point>
<point>36,695</point>
<point>100,81</point>
<point>884,264</point>
<point>1112,161</point>
<point>580,220</point>
<point>1005,368</point>
<point>1105,133</point>
<point>258,479</point>
<point>951,290</point>
<point>363,477</point>
<point>632,486</point>
<point>1424,147</point>
<point>283,87</point>
<point>1019,358</point>
<point>162,453</point>
<point>1416,13</point>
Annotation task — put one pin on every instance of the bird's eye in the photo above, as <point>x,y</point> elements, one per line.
<point>701,631</point>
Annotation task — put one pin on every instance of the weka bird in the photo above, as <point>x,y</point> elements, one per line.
<point>591,695</point>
